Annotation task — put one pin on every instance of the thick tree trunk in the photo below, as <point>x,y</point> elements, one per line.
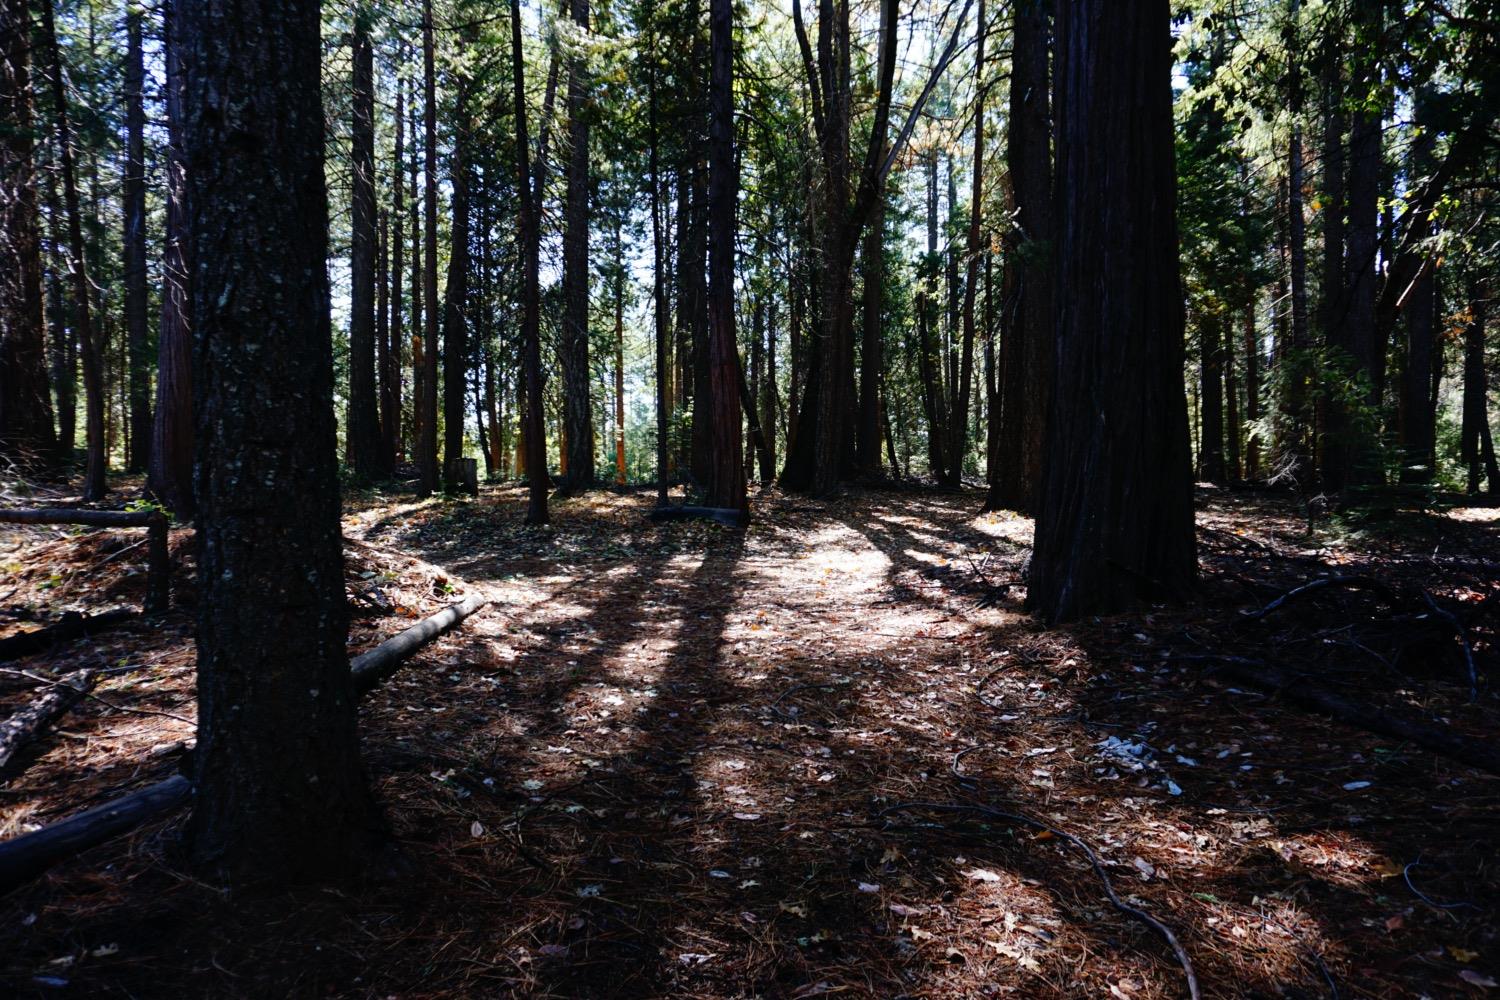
<point>530,203</point>
<point>578,412</point>
<point>418,354</point>
<point>94,485</point>
<point>136,332</point>
<point>455,301</point>
<point>280,790</point>
<point>726,480</point>
<point>170,476</point>
<point>363,427</point>
<point>26,432</point>
<point>1116,520</point>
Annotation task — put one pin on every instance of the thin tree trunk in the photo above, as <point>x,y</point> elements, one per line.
<point>363,420</point>
<point>94,485</point>
<point>1211,400</point>
<point>1475,419</point>
<point>428,447</point>
<point>961,406</point>
<point>871,364</point>
<point>619,289</point>
<point>1296,411</point>
<point>574,353</point>
<point>391,378</point>
<point>170,476</point>
<point>455,299</point>
<point>136,333</point>
<point>418,354</point>
<point>26,432</point>
<point>530,202</point>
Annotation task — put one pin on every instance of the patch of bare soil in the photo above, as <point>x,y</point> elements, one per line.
<point>678,761</point>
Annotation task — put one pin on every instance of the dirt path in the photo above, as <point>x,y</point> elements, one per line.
<point>660,766</point>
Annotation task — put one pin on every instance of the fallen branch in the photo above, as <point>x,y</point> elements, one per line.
<point>1134,913</point>
<point>25,857</point>
<point>1322,583</point>
<point>727,516</point>
<point>72,626</point>
<point>26,725</point>
<point>158,566</point>
<point>1298,689</point>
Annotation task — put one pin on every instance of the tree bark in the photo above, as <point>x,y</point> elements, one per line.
<point>26,432</point>
<point>94,485</point>
<point>1211,400</point>
<point>530,203</point>
<point>1418,400</point>
<point>1475,412</point>
<point>1295,446</point>
<point>871,363</point>
<point>427,453</point>
<point>960,418</point>
<point>391,377</point>
<point>170,475</point>
<point>578,413</point>
<point>134,246</point>
<point>363,426</point>
<point>1116,520</point>
<point>280,789</point>
<point>455,299</point>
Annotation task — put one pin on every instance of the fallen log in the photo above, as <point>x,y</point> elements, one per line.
<point>1295,688</point>
<point>28,723</point>
<point>158,566</point>
<point>72,625</point>
<point>25,857</point>
<point>369,669</point>
<point>727,516</point>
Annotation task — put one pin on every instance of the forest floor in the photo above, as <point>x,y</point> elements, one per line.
<point>667,761</point>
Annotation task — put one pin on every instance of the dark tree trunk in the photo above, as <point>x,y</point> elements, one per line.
<point>137,336</point>
<point>363,427</point>
<point>929,370</point>
<point>391,377</point>
<point>871,363</point>
<point>1211,400</point>
<point>280,794</point>
<point>1474,429</point>
<point>170,477</point>
<point>529,204</point>
<point>1027,367</point>
<point>1295,445</point>
<point>382,332</point>
<point>1252,391</point>
<point>62,345</point>
<point>26,433</point>
<point>726,480</point>
<point>619,290</point>
<point>960,419</point>
<point>455,301</point>
<point>427,451</point>
<point>1232,423</point>
<point>768,396</point>
<point>94,485</point>
<point>418,354</point>
<point>574,346</point>
<point>1115,524</point>
<point>1418,410</point>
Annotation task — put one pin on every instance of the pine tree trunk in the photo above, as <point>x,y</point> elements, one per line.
<point>170,475</point>
<point>619,289</point>
<point>1252,391</point>
<point>136,333</point>
<point>574,344</point>
<point>530,202</point>
<point>94,484</point>
<point>1115,524</point>
<point>279,789</point>
<point>427,453</point>
<point>1475,417</point>
<point>975,248</point>
<point>391,377</point>
<point>871,363</point>
<point>418,354</point>
<point>1417,411</point>
<point>455,300</point>
<point>1211,400</point>
<point>26,432</point>
<point>1026,360</point>
<point>363,428</point>
<point>726,480</point>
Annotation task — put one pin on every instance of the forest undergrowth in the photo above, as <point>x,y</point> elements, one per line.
<point>829,756</point>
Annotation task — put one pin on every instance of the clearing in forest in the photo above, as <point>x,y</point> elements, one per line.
<point>684,761</point>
